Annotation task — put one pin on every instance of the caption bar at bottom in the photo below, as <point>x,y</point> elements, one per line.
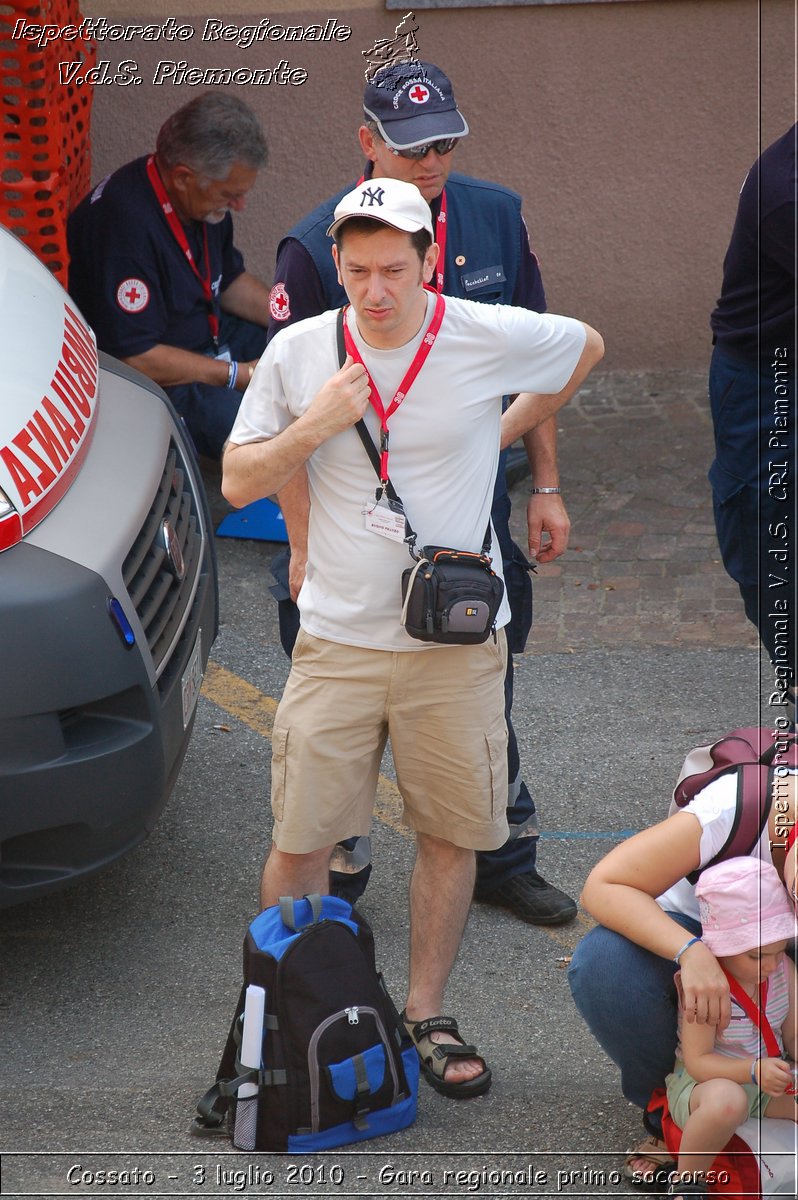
<point>337,1173</point>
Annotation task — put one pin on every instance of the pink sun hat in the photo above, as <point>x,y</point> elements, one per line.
<point>742,904</point>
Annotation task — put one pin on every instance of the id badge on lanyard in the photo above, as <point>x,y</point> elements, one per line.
<point>386,518</point>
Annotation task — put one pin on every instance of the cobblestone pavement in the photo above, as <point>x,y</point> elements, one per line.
<point>643,565</point>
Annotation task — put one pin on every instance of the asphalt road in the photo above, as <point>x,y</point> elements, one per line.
<point>116,995</point>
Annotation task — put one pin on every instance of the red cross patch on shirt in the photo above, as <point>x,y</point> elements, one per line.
<point>133,295</point>
<point>279,303</point>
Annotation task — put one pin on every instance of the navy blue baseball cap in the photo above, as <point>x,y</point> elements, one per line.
<point>412,103</point>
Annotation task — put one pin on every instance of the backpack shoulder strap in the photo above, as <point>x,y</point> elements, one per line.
<point>213,1107</point>
<point>706,763</point>
<point>754,802</point>
<point>753,805</point>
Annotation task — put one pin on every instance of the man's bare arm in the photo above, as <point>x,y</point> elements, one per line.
<point>170,366</point>
<point>546,514</point>
<point>248,298</point>
<point>531,409</point>
<point>257,469</point>
<point>294,501</point>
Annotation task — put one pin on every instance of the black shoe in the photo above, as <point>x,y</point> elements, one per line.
<point>532,899</point>
<point>349,887</point>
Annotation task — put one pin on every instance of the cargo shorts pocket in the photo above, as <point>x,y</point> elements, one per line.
<point>279,755</point>
<point>497,762</point>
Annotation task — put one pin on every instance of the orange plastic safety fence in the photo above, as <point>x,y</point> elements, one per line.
<point>45,160</point>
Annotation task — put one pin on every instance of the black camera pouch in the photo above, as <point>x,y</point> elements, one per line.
<point>451,596</point>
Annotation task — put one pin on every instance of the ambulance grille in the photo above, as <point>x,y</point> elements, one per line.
<point>161,596</point>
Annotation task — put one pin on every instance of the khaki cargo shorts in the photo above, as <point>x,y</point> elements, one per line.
<point>443,710</point>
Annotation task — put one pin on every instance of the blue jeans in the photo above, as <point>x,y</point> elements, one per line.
<point>626,996</point>
<point>753,493</point>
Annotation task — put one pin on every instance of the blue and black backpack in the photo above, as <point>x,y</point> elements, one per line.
<point>336,1064</point>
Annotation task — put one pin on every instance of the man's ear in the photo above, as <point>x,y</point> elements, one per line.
<point>366,139</point>
<point>337,262</point>
<point>179,178</point>
<point>430,262</point>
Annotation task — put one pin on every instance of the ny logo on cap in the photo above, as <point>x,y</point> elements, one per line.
<point>373,195</point>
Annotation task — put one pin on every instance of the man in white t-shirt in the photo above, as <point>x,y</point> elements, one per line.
<point>438,369</point>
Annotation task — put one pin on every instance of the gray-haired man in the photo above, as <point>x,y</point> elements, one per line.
<point>154,270</point>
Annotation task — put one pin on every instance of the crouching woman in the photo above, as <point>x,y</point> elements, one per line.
<point>622,972</point>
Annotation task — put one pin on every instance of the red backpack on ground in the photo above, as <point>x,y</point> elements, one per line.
<point>735,1172</point>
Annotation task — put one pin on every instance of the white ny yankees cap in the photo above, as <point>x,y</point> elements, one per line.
<point>390,201</point>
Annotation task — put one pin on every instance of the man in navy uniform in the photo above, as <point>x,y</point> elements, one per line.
<point>752,390</point>
<point>154,270</point>
<point>411,129</point>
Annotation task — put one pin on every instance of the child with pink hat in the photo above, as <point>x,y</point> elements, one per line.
<point>722,1078</point>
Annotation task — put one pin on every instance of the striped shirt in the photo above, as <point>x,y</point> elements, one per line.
<point>741,1038</point>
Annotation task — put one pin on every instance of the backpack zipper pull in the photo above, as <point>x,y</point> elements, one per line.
<point>352,1014</point>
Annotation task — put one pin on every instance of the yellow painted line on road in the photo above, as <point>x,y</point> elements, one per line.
<point>239,699</point>
<point>250,706</point>
<point>256,710</point>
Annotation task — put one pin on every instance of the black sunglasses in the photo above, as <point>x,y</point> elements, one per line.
<point>442,146</point>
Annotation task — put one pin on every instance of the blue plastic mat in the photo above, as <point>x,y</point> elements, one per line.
<point>260,521</point>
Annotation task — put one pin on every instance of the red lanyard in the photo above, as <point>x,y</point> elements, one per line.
<point>179,234</point>
<point>440,238</point>
<point>756,1012</point>
<point>419,358</point>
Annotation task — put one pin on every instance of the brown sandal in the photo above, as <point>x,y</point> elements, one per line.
<point>658,1158</point>
<point>435,1057</point>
